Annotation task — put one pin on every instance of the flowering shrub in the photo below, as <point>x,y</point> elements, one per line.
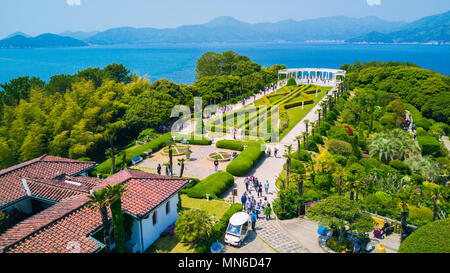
<point>349,130</point>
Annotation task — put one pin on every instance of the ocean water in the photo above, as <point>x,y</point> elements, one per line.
<point>177,62</point>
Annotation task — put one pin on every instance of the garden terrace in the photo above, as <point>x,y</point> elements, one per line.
<point>294,103</point>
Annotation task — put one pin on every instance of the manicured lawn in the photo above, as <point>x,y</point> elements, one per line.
<point>171,243</point>
<point>212,207</point>
<point>296,114</point>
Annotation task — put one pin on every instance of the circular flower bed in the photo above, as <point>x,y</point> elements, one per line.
<point>176,150</point>
<point>221,156</point>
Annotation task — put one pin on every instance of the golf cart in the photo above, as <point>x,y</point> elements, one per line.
<point>237,229</point>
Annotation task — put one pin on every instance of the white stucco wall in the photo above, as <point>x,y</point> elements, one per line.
<point>152,232</point>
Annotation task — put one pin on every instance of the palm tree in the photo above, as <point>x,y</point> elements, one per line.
<point>299,178</point>
<point>305,143</point>
<point>319,111</point>
<point>436,193</point>
<point>306,121</point>
<point>404,214</point>
<point>339,174</point>
<point>312,128</point>
<point>298,138</point>
<point>99,201</point>
<point>171,144</point>
<point>288,163</point>
<point>181,163</point>
<point>115,194</point>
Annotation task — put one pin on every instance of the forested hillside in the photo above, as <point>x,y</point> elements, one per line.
<point>427,90</point>
<point>84,115</point>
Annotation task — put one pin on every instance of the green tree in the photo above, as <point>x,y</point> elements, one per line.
<point>99,201</point>
<point>193,226</point>
<point>115,194</point>
<point>337,213</point>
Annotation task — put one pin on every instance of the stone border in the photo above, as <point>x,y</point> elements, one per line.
<point>323,244</point>
<point>220,160</point>
<point>177,154</point>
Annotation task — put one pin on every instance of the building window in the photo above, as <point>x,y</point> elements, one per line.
<point>154,218</point>
<point>168,207</point>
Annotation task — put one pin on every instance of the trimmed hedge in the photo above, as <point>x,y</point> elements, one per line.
<point>214,185</point>
<point>231,145</point>
<point>218,229</point>
<point>429,144</point>
<point>340,147</point>
<point>431,238</point>
<point>155,145</point>
<point>399,165</point>
<point>246,160</point>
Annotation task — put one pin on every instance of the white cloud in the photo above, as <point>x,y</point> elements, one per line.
<point>373,2</point>
<point>73,2</point>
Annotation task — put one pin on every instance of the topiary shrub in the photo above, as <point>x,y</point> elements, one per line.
<point>370,162</point>
<point>231,145</point>
<point>431,238</point>
<point>420,215</point>
<point>291,82</point>
<point>323,182</point>
<point>421,132</point>
<point>429,144</point>
<point>399,165</point>
<point>352,160</point>
<point>312,146</point>
<point>214,185</point>
<point>339,147</point>
<point>318,139</point>
<point>341,160</point>
<point>424,123</point>
<point>246,160</point>
<point>338,133</point>
<point>302,156</point>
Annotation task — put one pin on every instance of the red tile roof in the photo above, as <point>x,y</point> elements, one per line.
<point>44,167</point>
<point>55,229</point>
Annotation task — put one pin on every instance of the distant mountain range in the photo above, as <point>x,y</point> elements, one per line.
<point>44,40</point>
<point>432,29</point>
<point>228,29</point>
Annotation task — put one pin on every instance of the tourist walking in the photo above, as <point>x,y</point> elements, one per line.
<point>248,205</point>
<point>275,151</point>
<point>216,165</point>
<point>266,186</point>
<point>158,169</point>
<point>268,211</point>
<point>253,219</point>
<point>243,199</point>
<point>259,190</point>
<point>246,181</point>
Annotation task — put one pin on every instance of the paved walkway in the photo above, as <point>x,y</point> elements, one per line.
<point>270,167</point>
<point>305,232</point>
<point>275,236</point>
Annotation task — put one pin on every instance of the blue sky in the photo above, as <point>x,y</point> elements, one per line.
<point>40,16</point>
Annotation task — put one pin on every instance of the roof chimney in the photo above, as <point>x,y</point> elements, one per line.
<point>25,185</point>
